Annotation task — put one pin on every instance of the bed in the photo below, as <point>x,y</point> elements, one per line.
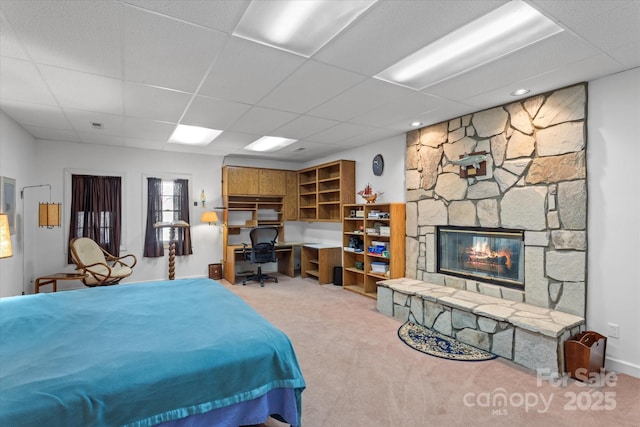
<point>169,353</point>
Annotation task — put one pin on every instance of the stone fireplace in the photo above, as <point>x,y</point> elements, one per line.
<point>534,181</point>
<point>491,255</point>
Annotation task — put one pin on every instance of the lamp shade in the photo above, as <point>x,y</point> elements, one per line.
<point>209,216</point>
<point>49,215</point>
<point>5,237</point>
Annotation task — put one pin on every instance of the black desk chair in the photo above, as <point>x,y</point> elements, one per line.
<point>262,250</point>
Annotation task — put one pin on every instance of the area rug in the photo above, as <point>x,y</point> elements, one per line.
<point>435,344</point>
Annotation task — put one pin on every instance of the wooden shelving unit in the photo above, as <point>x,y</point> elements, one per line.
<point>358,225</point>
<point>323,189</point>
<point>318,261</point>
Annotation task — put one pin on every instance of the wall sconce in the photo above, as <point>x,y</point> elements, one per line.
<point>5,237</point>
<point>50,215</point>
<point>209,216</point>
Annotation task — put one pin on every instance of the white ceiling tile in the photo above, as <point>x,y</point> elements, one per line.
<point>10,46</point>
<point>53,134</point>
<point>218,15</point>
<point>309,86</point>
<point>567,13</point>
<point>36,114</point>
<point>112,124</point>
<point>144,144</point>
<point>247,71</point>
<point>101,139</point>
<point>262,121</point>
<point>84,91</point>
<point>410,105</point>
<point>21,80</point>
<point>628,55</point>
<point>165,52</point>
<point>391,30</point>
<point>148,129</point>
<point>150,102</point>
<point>303,126</point>
<point>235,140</point>
<point>338,133</point>
<point>610,30</point>
<point>213,113</point>
<point>78,35</point>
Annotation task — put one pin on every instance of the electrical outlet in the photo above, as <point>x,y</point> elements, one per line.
<point>613,331</point>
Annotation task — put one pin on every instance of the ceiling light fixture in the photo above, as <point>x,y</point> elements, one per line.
<point>520,92</point>
<point>300,27</point>
<point>193,135</point>
<point>501,32</point>
<point>269,143</point>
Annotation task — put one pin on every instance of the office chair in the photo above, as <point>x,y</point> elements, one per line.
<point>262,250</point>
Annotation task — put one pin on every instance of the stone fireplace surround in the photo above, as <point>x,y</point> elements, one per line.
<point>535,181</point>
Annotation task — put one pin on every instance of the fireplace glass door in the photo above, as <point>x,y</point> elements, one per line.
<point>488,255</point>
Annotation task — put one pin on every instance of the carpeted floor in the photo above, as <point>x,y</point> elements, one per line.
<point>358,372</point>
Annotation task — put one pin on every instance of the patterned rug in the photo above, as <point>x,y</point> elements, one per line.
<point>431,342</point>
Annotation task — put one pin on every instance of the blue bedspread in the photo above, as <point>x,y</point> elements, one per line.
<point>137,354</point>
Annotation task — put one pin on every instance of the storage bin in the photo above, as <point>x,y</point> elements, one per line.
<point>584,354</point>
<point>215,271</point>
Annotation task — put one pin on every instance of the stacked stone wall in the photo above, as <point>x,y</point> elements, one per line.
<point>535,181</point>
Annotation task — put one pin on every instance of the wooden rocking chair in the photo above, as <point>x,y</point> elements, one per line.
<point>101,268</point>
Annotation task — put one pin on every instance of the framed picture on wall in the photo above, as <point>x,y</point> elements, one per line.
<point>8,200</point>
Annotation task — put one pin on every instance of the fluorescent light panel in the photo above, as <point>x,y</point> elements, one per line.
<point>193,135</point>
<point>503,31</point>
<point>269,143</point>
<point>300,27</point>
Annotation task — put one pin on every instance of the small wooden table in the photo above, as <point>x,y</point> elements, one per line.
<point>52,279</point>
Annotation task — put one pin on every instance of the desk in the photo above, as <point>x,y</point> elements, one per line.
<point>284,253</point>
<point>52,279</point>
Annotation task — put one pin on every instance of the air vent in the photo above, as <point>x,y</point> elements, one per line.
<point>297,149</point>
<point>96,125</point>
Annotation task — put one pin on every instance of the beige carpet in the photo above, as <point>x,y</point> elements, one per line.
<point>359,373</point>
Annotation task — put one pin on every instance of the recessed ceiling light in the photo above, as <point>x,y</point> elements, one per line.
<point>193,135</point>
<point>416,124</point>
<point>300,27</point>
<point>505,30</point>
<point>520,92</point>
<point>269,143</point>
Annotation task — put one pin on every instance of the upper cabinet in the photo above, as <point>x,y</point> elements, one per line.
<point>245,181</point>
<point>323,189</point>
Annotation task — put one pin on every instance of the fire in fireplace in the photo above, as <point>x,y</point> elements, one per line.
<point>485,254</point>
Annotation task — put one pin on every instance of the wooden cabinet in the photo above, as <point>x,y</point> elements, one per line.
<point>323,189</point>
<point>318,260</point>
<point>290,200</point>
<point>245,181</point>
<point>373,240</point>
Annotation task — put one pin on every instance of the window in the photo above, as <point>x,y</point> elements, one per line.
<point>167,201</point>
<point>96,203</point>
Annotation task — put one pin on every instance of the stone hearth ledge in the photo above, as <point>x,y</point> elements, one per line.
<point>528,335</point>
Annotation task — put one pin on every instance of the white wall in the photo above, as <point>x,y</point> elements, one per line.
<point>613,154</point>
<point>57,160</point>
<point>17,161</point>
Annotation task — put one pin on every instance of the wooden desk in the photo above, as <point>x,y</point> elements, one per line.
<point>284,253</point>
<point>52,279</point>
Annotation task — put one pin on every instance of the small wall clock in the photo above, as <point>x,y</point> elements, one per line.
<point>378,164</point>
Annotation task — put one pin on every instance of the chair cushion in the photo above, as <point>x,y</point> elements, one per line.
<point>118,272</point>
<point>88,251</point>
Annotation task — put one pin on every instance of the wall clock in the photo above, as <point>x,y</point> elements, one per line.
<point>378,165</point>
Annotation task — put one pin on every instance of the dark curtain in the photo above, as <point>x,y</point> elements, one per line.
<point>96,205</point>
<point>153,246</point>
<point>181,204</point>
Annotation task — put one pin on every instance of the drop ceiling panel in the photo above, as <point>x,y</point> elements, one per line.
<point>53,134</point>
<point>412,104</point>
<point>150,102</point>
<point>391,30</point>
<point>84,91</point>
<point>218,15</point>
<point>309,86</point>
<point>148,129</point>
<point>164,52</point>
<point>338,133</point>
<point>614,29</point>
<point>21,80</point>
<point>82,36</point>
<point>112,124</point>
<point>628,55</point>
<point>567,13</point>
<point>303,126</point>
<point>214,113</point>
<point>10,46</point>
<point>101,139</point>
<point>144,144</point>
<point>36,114</point>
<point>262,121</point>
<point>247,71</point>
